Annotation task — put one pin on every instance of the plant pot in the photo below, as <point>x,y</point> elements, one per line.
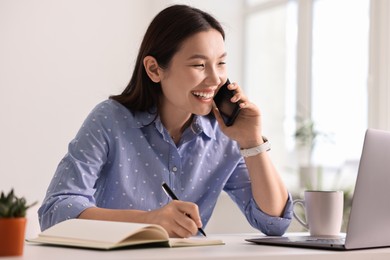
<point>12,232</point>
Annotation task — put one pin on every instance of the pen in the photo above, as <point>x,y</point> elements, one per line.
<point>172,195</point>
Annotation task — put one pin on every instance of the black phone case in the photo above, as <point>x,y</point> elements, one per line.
<point>227,109</point>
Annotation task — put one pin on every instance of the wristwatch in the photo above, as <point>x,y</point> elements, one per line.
<point>264,147</point>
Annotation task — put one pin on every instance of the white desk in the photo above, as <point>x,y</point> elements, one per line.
<point>236,248</point>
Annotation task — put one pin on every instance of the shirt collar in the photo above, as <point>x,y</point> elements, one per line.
<point>203,124</point>
<point>144,118</point>
<point>200,124</point>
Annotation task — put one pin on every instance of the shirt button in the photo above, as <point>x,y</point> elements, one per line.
<point>174,169</point>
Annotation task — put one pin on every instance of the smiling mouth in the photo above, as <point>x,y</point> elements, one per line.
<point>203,95</point>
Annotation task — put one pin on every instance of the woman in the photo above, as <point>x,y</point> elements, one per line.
<point>164,127</point>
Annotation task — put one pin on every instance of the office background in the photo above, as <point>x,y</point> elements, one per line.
<point>58,59</point>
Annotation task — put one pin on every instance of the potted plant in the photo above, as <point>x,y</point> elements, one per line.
<point>306,136</point>
<point>12,223</point>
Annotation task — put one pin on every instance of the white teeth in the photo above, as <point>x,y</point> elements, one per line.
<point>204,94</point>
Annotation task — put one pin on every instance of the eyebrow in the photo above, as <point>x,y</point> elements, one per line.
<point>203,57</point>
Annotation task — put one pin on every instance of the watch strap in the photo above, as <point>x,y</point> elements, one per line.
<point>264,147</point>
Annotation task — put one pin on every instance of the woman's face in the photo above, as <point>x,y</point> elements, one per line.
<point>194,74</point>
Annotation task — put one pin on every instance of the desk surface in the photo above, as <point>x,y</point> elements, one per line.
<point>235,248</point>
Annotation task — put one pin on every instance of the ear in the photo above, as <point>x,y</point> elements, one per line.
<point>152,69</point>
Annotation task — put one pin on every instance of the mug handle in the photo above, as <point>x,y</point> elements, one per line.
<point>302,203</point>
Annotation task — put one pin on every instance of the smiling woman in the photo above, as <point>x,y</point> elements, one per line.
<point>54,69</point>
<point>163,128</point>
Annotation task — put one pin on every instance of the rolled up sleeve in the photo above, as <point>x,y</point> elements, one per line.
<point>269,225</point>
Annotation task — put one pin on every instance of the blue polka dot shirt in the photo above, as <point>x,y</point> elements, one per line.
<point>119,160</point>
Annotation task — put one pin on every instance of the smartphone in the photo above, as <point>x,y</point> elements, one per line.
<point>227,109</point>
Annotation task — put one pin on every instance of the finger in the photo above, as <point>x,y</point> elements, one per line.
<point>239,96</point>
<point>236,97</point>
<point>243,104</point>
<point>185,226</point>
<point>233,86</point>
<point>188,211</point>
<point>180,234</point>
<point>181,230</point>
<point>191,210</point>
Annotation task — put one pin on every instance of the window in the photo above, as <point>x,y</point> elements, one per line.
<point>309,59</point>
<point>269,76</point>
<point>339,77</point>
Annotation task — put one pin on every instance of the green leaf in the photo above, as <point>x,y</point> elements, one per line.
<point>12,206</point>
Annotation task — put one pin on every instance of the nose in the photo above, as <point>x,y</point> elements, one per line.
<point>215,77</point>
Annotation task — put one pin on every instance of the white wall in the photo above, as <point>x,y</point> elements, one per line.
<point>58,59</point>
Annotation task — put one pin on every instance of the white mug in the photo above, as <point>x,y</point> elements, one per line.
<point>323,212</point>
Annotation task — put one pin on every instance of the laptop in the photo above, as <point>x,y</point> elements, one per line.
<point>369,220</point>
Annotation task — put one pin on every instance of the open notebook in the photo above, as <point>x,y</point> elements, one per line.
<point>107,235</point>
<point>369,221</point>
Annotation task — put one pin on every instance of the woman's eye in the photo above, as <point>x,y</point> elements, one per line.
<point>199,65</point>
<point>222,63</point>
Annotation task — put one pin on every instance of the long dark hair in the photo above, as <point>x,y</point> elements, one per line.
<point>162,40</point>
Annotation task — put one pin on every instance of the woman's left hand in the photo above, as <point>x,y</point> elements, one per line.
<point>246,129</point>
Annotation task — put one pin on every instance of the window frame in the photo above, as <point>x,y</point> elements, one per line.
<point>379,65</point>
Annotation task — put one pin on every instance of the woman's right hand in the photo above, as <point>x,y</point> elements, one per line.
<point>179,218</point>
